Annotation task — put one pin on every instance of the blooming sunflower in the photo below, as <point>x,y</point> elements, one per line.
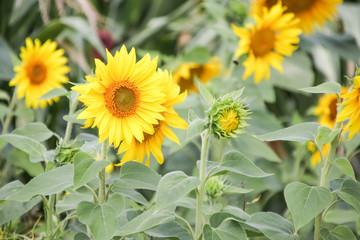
<point>310,12</point>
<point>327,109</point>
<point>41,70</point>
<point>124,97</point>
<point>152,142</point>
<point>316,156</point>
<point>351,109</point>
<point>186,73</point>
<point>275,34</point>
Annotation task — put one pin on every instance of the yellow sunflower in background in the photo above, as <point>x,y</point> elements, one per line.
<point>185,75</point>
<point>275,34</point>
<point>136,151</point>
<point>316,157</point>
<point>124,97</point>
<point>310,12</point>
<point>41,70</point>
<point>351,109</point>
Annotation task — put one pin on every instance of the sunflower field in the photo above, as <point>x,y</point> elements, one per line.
<point>181,119</point>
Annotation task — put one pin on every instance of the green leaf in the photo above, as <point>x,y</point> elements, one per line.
<point>26,144</point>
<point>169,230</point>
<point>350,17</point>
<point>326,135</point>
<point>14,209</point>
<point>232,212</point>
<point>199,55</point>
<point>146,221</point>
<point>305,202</point>
<point>71,201</point>
<point>173,186</point>
<point>4,95</point>
<point>9,189</point>
<point>236,162</point>
<point>86,168</point>
<point>205,93</point>
<point>338,233</point>
<point>341,216</point>
<point>300,133</point>
<point>50,31</point>
<point>81,236</point>
<point>344,165</point>
<point>101,219</point>
<point>192,115</point>
<point>47,183</point>
<point>236,94</point>
<point>195,128</point>
<point>22,160</point>
<point>328,87</point>
<point>37,131</point>
<point>228,189</point>
<point>273,226</point>
<point>228,230</point>
<point>138,176</point>
<point>6,66</point>
<point>53,93</point>
<point>131,194</point>
<point>350,193</point>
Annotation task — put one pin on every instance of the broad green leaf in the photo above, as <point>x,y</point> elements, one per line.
<point>195,128</point>
<point>130,193</point>
<point>228,230</point>
<point>169,230</point>
<point>101,219</point>
<point>47,183</point>
<point>3,111</point>
<point>14,209</point>
<point>351,145</point>
<point>146,221</point>
<point>328,87</point>
<point>53,93</point>
<point>228,189</point>
<point>26,144</point>
<point>232,212</point>
<point>205,93</point>
<point>138,176</point>
<point>350,193</point>
<point>172,186</point>
<point>192,115</point>
<point>273,226</point>
<point>338,233</point>
<point>236,94</point>
<point>340,216</point>
<point>4,95</point>
<point>198,55</point>
<point>344,165</point>
<point>6,66</point>
<point>326,135</point>
<point>86,168</point>
<point>22,160</point>
<point>305,202</point>
<point>50,31</point>
<point>300,133</point>
<point>238,163</point>
<point>71,201</point>
<point>81,236</point>
<point>9,189</point>
<point>37,131</point>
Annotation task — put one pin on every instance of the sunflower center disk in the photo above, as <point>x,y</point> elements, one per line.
<point>156,128</point>
<point>333,109</point>
<point>262,42</point>
<point>122,99</point>
<point>229,121</point>
<point>36,73</point>
<point>294,6</point>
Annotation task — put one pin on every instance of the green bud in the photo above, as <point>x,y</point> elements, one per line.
<point>64,153</point>
<point>226,118</point>
<point>357,71</point>
<point>214,187</point>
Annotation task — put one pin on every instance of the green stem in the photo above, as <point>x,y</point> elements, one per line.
<point>103,156</point>
<point>324,173</point>
<point>49,213</point>
<point>200,191</point>
<point>10,112</point>
<point>72,108</point>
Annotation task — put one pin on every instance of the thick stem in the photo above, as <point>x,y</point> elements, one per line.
<point>200,191</point>
<point>10,112</point>
<point>49,214</point>
<point>103,156</point>
<point>72,108</point>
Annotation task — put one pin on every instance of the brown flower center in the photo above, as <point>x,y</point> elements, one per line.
<point>294,6</point>
<point>333,109</point>
<point>156,128</point>
<point>262,42</point>
<point>36,73</point>
<point>122,98</point>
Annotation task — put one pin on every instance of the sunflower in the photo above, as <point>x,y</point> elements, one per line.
<point>152,142</point>
<point>186,73</point>
<point>41,70</point>
<point>351,109</point>
<point>310,12</point>
<point>124,97</point>
<point>274,35</point>
<point>327,109</point>
<point>316,156</point>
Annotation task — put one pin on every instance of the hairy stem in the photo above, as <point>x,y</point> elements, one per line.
<point>103,156</point>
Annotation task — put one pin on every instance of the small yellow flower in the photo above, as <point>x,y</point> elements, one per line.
<point>41,70</point>
<point>229,120</point>
<point>109,168</point>
<point>275,34</point>
<point>310,12</point>
<point>185,75</point>
<point>351,109</point>
<point>316,156</point>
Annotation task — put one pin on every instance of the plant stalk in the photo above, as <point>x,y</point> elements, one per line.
<point>69,124</point>
<point>205,137</point>
<point>10,112</point>
<point>103,156</point>
<point>49,213</point>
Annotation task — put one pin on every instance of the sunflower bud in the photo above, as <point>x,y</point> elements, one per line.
<point>226,117</point>
<point>214,187</point>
